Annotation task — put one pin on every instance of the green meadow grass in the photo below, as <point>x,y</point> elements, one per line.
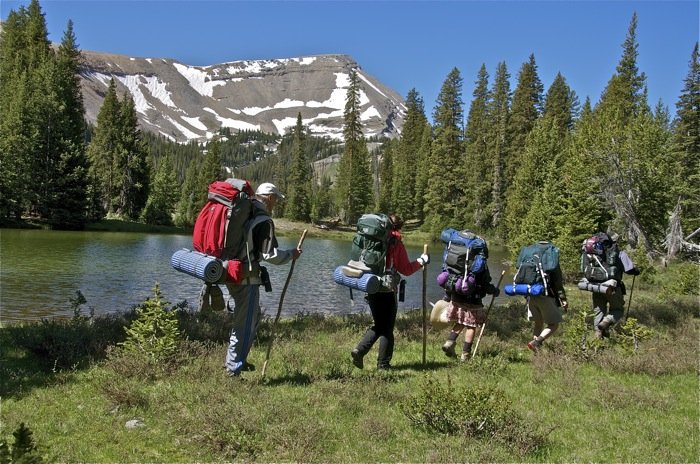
<point>71,384</point>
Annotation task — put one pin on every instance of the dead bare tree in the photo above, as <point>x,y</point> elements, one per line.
<point>620,194</point>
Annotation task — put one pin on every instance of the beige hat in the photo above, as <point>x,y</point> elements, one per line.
<point>438,316</point>
<point>267,188</point>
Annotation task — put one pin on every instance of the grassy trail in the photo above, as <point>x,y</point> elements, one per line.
<point>76,391</point>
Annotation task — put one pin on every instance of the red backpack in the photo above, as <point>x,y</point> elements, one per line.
<point>219,227</point>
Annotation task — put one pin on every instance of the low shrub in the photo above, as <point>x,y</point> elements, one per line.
<point>70,343</point>
<point>477,412</point>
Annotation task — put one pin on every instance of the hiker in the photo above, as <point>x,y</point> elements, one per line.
<point>545,308</point>
<point>466,280</point>
<point>603,265</point>
<point>244,297</point>
<point>383,304</point>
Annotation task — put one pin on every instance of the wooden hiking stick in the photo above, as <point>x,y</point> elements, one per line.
<point>279,307</point>
<point>629,302</point>
<point>425,323</point>
<point>493,297</point>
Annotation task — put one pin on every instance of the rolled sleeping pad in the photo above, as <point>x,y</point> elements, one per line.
<point>595,288</point>
<point>524,289</point>
<point>197,264</point>
<point>368,283</point>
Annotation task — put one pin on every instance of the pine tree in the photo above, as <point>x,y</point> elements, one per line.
<point>354,181</point>
<point>582,209</point>
<point>647,177</point>
<point>405,157</point>
<point>525,110</point>
<point>69,198</point>
<point>209,171</point>
<point>164,193</point>
<point>479,180</point>
<point>386,179</point>
<point>624,95</point>
<point>534,194</point>
<point>104,149</point>
<point>561,104</point>
<point>686,147</point>
<point>423,171</point>
<point>37,156</point>
<point>323,201</point>
<point>446,196</point>
<point>622,104</point>
<point>14,137</point>
<point>498,142</point>
<point>154,334</point>
<point>133,163</point>
<point>15,147</point>
<point>526,203</point>
<point>190,203</point>
<point>299,178</point>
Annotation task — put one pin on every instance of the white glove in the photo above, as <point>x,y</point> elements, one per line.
<point>424,259</point>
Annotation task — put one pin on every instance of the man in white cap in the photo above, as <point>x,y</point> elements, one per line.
<point>244,301</point>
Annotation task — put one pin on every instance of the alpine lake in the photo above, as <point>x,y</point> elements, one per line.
<point>41,272</point>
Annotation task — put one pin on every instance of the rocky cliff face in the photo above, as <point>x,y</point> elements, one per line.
<point>191,103</point>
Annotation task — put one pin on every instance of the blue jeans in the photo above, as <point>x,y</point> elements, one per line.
<point>246,316</point>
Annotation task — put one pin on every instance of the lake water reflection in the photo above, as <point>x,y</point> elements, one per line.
<point>40,271</point>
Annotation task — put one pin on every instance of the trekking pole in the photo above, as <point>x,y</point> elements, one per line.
<point>425,323</point>
<point>279,307</point>
<point>629,303</point>
<point>493,297</point>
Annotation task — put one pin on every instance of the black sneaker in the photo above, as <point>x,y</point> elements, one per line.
<point>449,349</point>
<point>357,359</point>
<point>248,367</point>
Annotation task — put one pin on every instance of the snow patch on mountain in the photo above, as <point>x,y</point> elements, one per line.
<point>232,123</point>
<point>198,79</point>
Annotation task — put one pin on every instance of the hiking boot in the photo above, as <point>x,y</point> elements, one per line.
<point>465,357</point>
<point>449,349</point>
<point>604,325</point>
<point>383,367</point>
<point>534,345</point>
<point>247,367</point>
<point>357,359</point>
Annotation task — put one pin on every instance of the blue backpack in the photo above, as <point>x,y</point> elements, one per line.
<point>463,261</point>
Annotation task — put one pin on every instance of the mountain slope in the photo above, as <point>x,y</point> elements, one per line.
<point>191,103</point>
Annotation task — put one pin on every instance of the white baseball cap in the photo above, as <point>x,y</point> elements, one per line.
<point>267,188</point>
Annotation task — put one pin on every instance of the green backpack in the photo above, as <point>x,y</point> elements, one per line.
<point>371,241</point>
<point>535,262</point>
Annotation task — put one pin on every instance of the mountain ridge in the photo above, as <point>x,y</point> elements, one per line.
<point>192,103</point>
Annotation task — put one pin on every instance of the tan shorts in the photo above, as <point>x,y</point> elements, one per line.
<point>545,309</point>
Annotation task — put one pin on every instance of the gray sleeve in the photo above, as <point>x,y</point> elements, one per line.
<point>627,263</point>
<point>277,256</point>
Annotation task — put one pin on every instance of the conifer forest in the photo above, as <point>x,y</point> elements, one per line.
<point>522,164</point>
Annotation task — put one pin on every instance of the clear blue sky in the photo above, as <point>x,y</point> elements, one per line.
<point>405,44</point>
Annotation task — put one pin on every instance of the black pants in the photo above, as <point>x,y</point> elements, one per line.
<point>383,306</point>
